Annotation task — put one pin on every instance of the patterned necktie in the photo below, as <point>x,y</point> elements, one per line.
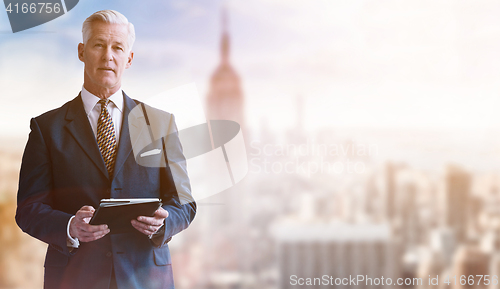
<point>106,137</point>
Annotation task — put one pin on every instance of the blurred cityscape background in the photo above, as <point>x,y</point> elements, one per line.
<point>372,132</point>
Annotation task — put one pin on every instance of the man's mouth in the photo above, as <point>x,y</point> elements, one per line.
<point>106,69</point>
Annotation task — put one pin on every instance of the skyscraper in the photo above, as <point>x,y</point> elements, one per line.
<point>468,264</point>
<point>339,250</point>
<point>226,248</point>
<point>225,98</point>
<point>456,201</point>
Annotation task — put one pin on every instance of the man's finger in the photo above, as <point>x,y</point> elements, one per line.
<point>94,234</point>
<point>151,220</point>
<point>83,214</point>
<point>93,238</point>
<point>161,213</point>
<point>144,228</point>
<point>139,227</point>
<point>87,208</point>
<point>93,228</point>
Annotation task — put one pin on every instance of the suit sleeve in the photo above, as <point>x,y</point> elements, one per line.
<point>175,186</point>
<point>34,214</point>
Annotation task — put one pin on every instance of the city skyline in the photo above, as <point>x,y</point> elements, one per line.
<point>430,80</point>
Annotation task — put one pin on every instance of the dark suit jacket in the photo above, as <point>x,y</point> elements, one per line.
<point>62,170</point>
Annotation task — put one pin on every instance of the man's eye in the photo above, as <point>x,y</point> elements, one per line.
<point>98,45</point>
<point>119,48</point>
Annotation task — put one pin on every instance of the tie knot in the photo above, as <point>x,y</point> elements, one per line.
<point>103,102</point>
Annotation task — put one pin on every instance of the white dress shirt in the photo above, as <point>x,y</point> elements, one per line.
<point>93,110</point>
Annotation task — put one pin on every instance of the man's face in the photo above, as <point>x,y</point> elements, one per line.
<point>106,55</point>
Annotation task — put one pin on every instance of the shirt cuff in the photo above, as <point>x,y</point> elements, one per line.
<point>71,242</point>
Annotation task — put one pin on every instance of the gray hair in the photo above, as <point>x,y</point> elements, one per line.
<point>111,17</point>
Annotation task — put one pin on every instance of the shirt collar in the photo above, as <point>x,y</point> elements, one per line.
<point>90,100</point>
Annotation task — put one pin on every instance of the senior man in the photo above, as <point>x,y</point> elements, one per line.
<point>81,153</point>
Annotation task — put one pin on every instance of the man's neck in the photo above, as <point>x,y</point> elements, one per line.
<point>101,92</point>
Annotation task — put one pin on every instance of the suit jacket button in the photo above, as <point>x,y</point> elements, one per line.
<point>109,254</point>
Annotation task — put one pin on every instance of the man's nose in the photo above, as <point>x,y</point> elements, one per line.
<point>108,54</point>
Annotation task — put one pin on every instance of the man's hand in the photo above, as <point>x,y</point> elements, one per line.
<point>80,228</point>
<point>150,225</point>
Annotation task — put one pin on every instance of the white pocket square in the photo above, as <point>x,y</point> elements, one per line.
<point>150,153</point>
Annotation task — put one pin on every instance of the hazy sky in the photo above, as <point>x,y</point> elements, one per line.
<point>425,64</point>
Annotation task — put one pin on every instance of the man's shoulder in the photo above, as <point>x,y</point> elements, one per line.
<point>143,109</point>
<point>56,113</point>
<point>141,106</point>
<point>157,111</point>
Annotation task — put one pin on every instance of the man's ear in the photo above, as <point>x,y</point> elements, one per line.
<point>130,58</point>
<point>80,51</point>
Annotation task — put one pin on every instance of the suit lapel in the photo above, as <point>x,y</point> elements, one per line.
<point>80,129</point>
<point>124,146</point>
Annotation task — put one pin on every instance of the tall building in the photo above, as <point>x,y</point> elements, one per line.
<point>225,97</point>
<point>470,262</point>
<point>490,245</point>
<point>225,102</point>
<point>338,250</point>
<point>456,201</point>
<point>228,246</point>
<point>407,213</point>
<point>390,183</point>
